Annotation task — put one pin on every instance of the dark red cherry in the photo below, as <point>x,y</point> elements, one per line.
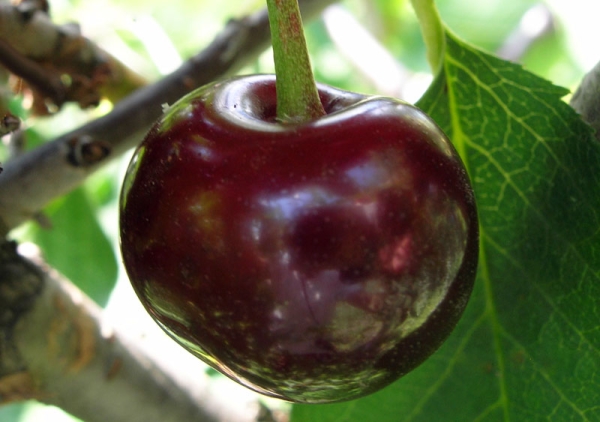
<point>316,262</point>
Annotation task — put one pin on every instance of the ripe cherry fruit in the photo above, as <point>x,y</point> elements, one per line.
<point>313,262</point>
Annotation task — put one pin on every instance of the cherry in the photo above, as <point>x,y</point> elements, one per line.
<point>314,262</point>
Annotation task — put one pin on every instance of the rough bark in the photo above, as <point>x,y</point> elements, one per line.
<point>43,54</point>
<point>55,347</point>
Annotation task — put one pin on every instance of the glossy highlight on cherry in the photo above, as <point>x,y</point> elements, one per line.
<point>314,262</point>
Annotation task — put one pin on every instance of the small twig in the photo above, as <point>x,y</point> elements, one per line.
<point>44,82</point>
<point>62,51</point>
<point>586,100</point>
<point>9,123</point>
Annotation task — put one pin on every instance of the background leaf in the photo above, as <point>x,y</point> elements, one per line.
<point>528,346</point>
<point>77,246</point>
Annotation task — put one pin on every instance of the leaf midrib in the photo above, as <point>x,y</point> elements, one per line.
<point>460,142</point>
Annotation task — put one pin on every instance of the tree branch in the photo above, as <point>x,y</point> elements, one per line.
<point>55,348</point>
<point>47,84</point>
<point>60,51</point>
<point>586,100</point>
<point>30,181</point>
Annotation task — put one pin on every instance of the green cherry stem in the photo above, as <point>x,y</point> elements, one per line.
<point>297,96</point>
<point>433,31</point>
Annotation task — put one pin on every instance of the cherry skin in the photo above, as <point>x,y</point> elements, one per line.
<point>316,262</point>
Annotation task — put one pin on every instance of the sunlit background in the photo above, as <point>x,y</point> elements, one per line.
<point>370,46</point>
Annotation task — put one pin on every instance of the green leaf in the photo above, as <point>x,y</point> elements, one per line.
<point>528,346</point>
<point>77,247</point>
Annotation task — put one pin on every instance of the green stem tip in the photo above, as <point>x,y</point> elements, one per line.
<point>297,95</point>
<point>433,32</point>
